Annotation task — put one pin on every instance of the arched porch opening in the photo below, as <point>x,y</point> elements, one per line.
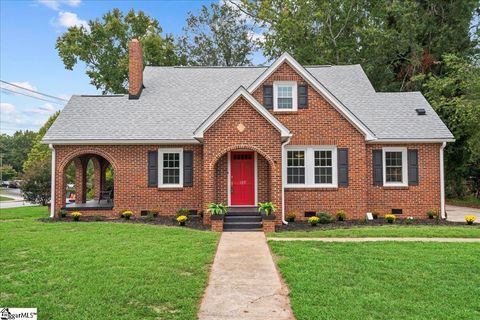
<point>88,183</point>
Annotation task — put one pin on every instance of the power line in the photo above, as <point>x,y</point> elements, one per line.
<point>36,92</point>
<point>31,96</point>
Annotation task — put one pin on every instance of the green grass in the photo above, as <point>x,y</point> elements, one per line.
<point>3,198</point>
<point>388,231</point>
<point>102,270</point>
<point>381,280</point>
<point>467,201</point>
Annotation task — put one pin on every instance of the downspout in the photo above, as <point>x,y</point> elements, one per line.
<point>52,197</point>
<point>283,179</point>
<point>442,182</point>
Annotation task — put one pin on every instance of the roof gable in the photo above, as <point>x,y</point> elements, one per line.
<point>319,87</point>
<point>220,111</point>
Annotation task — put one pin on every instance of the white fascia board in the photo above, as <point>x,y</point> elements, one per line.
<point>240,92</point>
<point>119,142</point>
<point>411,140</point>
<point>285,57</point>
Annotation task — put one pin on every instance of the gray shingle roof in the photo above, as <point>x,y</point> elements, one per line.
<point>176,100</point>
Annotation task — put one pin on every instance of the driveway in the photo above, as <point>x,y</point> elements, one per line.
<point>458,214</point>
<point>17,197</point>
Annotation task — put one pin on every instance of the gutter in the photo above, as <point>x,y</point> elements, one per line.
<point>442,182</point>
<point>283,179</point>
<point>52,197</point>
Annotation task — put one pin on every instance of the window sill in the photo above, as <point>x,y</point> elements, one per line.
<point>387,187</point>
<point>170,188</point>
<point>310,187</point>
<point>285,112</point>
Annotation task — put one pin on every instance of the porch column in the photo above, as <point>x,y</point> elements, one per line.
<point>208,190</point>
<point>98,173</point>
<point>80,179</point>
<point>276,189</point>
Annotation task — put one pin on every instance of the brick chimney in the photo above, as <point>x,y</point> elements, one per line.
<point>135,69</point>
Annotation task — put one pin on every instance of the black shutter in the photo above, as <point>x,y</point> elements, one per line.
<point>343,167</point>
<point>188,168</point>
<point>153,168</point>
<point>377,167</point>
<point>268,96</point>
<point>412,167</point>
<point>302,96</point>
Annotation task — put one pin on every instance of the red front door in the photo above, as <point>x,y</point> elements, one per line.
<point>242,177</point>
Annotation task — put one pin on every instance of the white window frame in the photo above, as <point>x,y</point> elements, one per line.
<point>292,84</point>
<point>161,152</point>
<point>404,182</point>
<point>310,167</point>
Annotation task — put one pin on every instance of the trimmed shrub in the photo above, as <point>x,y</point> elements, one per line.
<point>324,217</point>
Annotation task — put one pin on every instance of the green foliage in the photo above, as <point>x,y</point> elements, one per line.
<point>14,149</point>
<point>8,173</point>
<point>324,217</point>
<point>36,183</point>
<point>392,40</point>
<point>218,36</point>
<point>266,207</point>
<point>103,47</point>
<point>455,96</point>
<point>217,208</point>
<point>182,212</point>
<point>39,151</point>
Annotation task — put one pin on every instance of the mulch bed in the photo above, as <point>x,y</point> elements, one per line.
<point>194,222</point>
<point>305,226</point>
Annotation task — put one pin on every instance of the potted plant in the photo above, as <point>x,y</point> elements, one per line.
<point>409,220</point>
<point>217,211</point>
<point>291,217</point>
<point>267,210</point>
<point>152,212</point>
<point>375,215</point>
<point>324,217</point>
<point>313,221</point>
<point>470,219</point>
<point>76,215</point>
<point>127,214</point>
<point>182,219</point>
<point>341,215</point>
<point>62,213</point>
<point>390,217</point>
<point>432,213</point>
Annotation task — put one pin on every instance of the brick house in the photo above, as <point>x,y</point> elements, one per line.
<point>307,138</point>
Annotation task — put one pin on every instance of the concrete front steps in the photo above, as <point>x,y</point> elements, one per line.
<point>242,219</point>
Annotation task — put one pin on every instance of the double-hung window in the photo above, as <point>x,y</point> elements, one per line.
<point>170,167</point>
<point>395,167</point>
<point>284,96</point>
<point>311,167</point>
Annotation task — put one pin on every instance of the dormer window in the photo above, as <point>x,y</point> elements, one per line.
<point>285,96</point>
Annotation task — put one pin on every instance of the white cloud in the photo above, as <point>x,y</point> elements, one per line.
<point>13,89</point>
<point>55,4</point>
<point>69,19</point>
<point>7,108</point>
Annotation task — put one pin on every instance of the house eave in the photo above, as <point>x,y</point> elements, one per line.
<point>402,140</point>
<point>119,141</point>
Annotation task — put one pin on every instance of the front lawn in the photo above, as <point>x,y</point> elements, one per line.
<point>469,201</point>
<point>381,280</point>
<point>387,231</point>
<point>102,270</point>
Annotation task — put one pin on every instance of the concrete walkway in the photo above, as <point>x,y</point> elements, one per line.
<point>456,213</point>
<point>244,282</point>
<point>373,239</point>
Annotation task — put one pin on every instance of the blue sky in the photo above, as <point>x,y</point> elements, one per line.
<point>28,57</point>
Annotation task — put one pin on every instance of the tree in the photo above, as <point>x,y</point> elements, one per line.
<point>7,173</point>
<point>14,149</point>
<point>36,184</point>
<point>392,40</point>
<point>39,151</point>
<point>103,47</point>
<point>455,96</point>
<point>217,36</point>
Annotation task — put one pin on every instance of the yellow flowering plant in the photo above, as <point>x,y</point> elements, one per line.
<point>470,219</point>
<point>127,214</point>
<point>76,215</point>
<point>313,221</point>
<point>182,219</point>
<point>390,217</point>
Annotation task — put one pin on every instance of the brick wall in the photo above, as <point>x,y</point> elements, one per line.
<point>131,190</point>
